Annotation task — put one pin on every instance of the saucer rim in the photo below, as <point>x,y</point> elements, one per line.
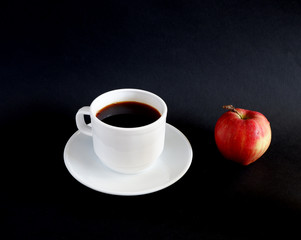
<point>131,193</point>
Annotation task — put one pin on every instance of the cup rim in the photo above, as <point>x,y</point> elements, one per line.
<point>158,121</point>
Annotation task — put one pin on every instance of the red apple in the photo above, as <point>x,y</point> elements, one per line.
<point>242,135</point>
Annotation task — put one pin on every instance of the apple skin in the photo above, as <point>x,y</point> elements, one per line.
<point>242,139</point>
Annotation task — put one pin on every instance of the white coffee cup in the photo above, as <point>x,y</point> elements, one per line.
<point>125,150</point>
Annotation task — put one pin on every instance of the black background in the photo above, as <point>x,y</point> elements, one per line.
<point>197,55</point>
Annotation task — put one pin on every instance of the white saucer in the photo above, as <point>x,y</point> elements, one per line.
<point>86,167</point>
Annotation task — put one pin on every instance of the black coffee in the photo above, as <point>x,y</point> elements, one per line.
<point>128,114</point>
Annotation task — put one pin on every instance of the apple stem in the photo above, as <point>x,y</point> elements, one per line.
<point>232,108</point>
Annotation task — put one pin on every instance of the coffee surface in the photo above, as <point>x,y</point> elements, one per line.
<point>128,114</point>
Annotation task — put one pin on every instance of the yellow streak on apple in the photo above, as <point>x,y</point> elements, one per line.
<point>262,145</point>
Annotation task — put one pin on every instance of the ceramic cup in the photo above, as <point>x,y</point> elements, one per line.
<point>125,150</point>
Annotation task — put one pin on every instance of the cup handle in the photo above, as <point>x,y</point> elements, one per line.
<point>80,121</point>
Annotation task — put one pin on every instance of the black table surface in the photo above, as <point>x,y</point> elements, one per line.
<point>196,55</point>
